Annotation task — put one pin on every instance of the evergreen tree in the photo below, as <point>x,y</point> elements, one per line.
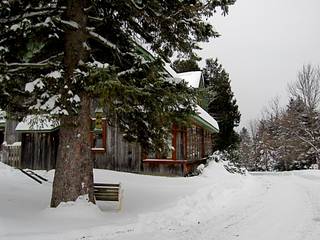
<point>288,140</point>
<point>302,127</point>
<point>245,149</point>
<point>221,104</point>
<point>55,56</point>
<point>186,65</point>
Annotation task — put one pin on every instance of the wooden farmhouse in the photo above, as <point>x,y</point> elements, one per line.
<point>190,146</point>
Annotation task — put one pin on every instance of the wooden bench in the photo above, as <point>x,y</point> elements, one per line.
<point>108,192</point>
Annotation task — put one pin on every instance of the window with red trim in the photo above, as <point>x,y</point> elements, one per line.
<point>98,135</point>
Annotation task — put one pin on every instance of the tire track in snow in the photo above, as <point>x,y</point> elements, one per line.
<point>278,210</point>
<point>312,188</point>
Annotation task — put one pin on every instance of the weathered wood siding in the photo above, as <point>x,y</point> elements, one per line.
<point>120,155</point>
<point>199,144</point>
<point>11,155</point>
<point>163,169</point>
<point>208,144</point>
<point>39,150</point>
<point>192,145</point>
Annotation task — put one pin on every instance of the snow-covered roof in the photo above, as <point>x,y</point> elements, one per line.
<point>41,123</point>
<point>193,78</point>
<point>207,117</point>
<point>170,70</point>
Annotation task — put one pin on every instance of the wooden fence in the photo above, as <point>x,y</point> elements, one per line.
<point>11,155</point>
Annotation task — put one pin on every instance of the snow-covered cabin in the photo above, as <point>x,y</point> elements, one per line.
<point>190,146</point>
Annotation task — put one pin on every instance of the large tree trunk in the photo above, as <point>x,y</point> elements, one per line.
<point>74,167</point>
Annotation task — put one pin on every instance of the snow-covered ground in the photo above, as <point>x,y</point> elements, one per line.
<point>216,205</point>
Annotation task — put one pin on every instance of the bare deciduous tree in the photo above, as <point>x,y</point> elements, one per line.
<point>307,86</point>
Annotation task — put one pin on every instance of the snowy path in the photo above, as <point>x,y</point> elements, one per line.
<point>215,206</point>
<point>284,207</point>
<point>279,206</point>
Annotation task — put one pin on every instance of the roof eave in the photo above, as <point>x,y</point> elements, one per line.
<point>203,123</point>
<point>38,130</point>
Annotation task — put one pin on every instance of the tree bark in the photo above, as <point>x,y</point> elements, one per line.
<point>74,167</point>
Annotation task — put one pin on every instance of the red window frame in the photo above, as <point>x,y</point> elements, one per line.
<point>104,136</point>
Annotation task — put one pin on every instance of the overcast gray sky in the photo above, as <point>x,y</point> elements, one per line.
<point>263,45</point>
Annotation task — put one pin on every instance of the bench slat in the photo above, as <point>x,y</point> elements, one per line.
<point>107,199</point>
<point>107,184</point>
<point>106,194</point>
<point>106,189</point>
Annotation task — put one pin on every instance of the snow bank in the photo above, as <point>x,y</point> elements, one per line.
<point>4,168</point>
<point>80,209</point>
<point>161,203</point>
<point>218,189</point>
<point>308,174</point>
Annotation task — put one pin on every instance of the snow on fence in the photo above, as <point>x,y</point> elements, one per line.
<point>11,155</point>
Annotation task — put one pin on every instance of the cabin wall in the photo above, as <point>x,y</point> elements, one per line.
<point>181,140</point>
<point>199,143</point>
<point>119,154</point>
<point>164,169</point>
<point>192,146</point>
<point>208,144</point>
<point>39,150</point>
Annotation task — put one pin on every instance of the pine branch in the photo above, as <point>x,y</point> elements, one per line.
<point>91,34</point>
<point>97,19</point>
<point>104,41</point>
<point>28,15</point>
<point>36,9</point>
<point>30,65</point>
<point>3,40</point>
<point>154,13</point>
<point>136,6</point>
<point>87,9</point>
<point>140,30</point>
<point>129,71</point>
<point>69,24</point>
<point>52,57</point>
<point>16,67</point>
